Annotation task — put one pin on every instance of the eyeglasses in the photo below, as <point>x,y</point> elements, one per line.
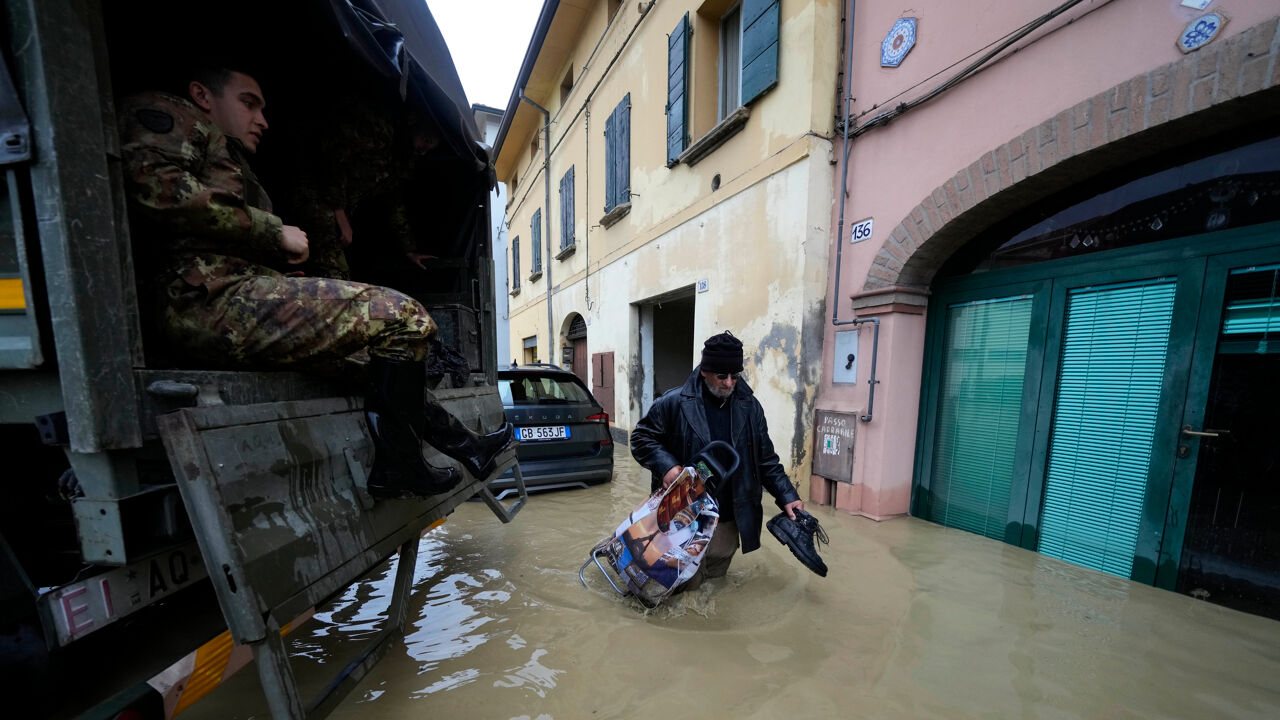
<point>726,376</point>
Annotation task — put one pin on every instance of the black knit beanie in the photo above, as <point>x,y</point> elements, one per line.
<point>722,354</point>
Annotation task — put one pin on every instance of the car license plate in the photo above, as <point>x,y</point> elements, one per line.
<point>544,432</point>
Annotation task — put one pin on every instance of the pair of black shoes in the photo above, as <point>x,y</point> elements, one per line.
<point>799,536</point>
<point>400,420</point>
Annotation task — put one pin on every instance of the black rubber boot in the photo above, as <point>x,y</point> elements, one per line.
<point>476,452</point>
<point>798,535</point>
<point>393,408</point>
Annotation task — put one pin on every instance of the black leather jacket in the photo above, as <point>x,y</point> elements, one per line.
<point>675,429</point>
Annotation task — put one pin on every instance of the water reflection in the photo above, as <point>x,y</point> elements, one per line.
<point>913,620</point>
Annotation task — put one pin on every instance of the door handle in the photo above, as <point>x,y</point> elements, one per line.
<point>1186,430</point>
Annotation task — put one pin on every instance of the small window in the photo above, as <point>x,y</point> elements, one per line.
<point>530,349</point>
<point>613,8</point>
<point>566,87</point>
<point>533,149</point>
<point>535,242</point>
<point>732,62</point>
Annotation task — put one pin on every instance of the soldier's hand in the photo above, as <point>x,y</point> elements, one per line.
<point>419,259</point>
<point>344,226</point>
<point>294,243</point>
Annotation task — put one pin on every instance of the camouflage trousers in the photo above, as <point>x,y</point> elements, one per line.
<point>267,319</point>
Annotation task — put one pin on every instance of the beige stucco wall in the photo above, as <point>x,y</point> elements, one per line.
<point>760,239</point>
<point>1063,66</point>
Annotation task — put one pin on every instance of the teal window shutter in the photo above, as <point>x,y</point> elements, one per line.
<point>515,263</point>
<point>759,48</point>
<point>677,85</point>
<point>980,400</point>
<point>622,183</point>
<point>617,149</point>
<point>610,159</point>
<point>566,210</point>
<point>1114,347</point>
<point>535,241</point>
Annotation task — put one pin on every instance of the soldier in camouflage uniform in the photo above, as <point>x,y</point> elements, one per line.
<point>225,297</point>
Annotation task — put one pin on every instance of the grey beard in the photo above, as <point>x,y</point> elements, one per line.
<point>722,393</point>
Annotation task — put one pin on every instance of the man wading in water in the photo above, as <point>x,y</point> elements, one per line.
<point>715,403</point>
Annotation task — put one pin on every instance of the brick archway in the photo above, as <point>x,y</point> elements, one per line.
<point>1207,92</point>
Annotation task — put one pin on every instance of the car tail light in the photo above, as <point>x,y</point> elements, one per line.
<point>604,418</point>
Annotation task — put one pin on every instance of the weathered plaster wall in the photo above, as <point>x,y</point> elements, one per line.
<point>770,297</point>
<point>759,233</point>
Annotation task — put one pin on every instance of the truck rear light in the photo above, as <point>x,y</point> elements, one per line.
<point>604,418</point>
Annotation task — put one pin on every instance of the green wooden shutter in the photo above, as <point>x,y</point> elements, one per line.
<point>622,183</point>
<point>983,372</point>
<point>515,263</point>
<point>535,241</point>
<point>610,160</point>
<point>1114,346</point>
<point>566,210</point>
<point>677,84</point>
<point>759,48</point>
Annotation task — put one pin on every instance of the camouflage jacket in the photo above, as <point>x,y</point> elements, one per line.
<point>197,208</point>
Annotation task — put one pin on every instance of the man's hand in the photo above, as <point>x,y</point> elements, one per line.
<point>294,243</point>
<point>792,507</point>
<point>344,226</point>
<point>671,476</point>
<point>419,259</point>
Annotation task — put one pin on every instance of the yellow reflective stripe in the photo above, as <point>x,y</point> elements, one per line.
<point>215,663</point>
<point>11,296</point>
<point>211,662</point>
<point>431,527</point>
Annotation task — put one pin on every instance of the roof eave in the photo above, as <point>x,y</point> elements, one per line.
<point>526,68</point>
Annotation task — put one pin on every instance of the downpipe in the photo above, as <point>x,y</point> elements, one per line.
<point>844,180</point>
<point>546,217</point>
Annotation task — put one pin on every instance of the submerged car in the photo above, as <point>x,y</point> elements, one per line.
<point>564,432</point>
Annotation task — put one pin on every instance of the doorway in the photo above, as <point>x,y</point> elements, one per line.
<point>666,343</point>
<point>1117,413</point>
<point>576,336</point>
<point>1227,476</point>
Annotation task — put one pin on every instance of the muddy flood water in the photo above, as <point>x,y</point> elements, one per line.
<point>913,620</point>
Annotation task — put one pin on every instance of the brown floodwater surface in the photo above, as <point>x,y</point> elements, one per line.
<point>913,620</point>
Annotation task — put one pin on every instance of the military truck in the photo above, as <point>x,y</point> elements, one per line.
<point>155,510</point>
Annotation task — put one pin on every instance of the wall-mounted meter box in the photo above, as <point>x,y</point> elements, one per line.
<point>845,371</point>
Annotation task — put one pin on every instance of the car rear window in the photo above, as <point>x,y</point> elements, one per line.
<point>540,390</point>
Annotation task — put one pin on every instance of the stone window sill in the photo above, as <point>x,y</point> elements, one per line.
<point>515,291</point>
<point>618,212</point>
<point>715,137</point>
<point>567,251</point>
<point>533,276</point>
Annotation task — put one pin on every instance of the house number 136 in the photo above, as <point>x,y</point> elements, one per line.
<point>861,230</point>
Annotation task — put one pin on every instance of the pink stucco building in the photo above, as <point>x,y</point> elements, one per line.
<point>1058,242</point>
